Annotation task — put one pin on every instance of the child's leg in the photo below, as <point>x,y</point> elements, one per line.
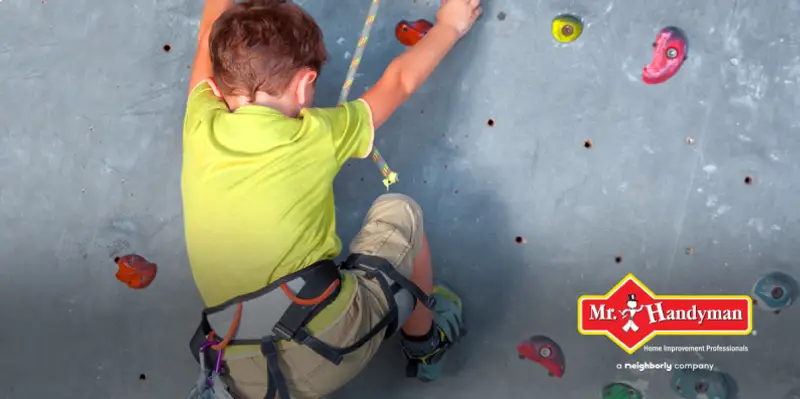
<point>421,319</point>
<point>393,230</point>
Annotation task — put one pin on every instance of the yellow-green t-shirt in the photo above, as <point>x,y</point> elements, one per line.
<point>258,192</point>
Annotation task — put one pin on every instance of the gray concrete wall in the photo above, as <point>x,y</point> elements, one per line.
<point>90,156</point>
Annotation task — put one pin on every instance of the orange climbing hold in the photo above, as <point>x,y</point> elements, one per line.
<point>409,33</point>
<point>135,271</point>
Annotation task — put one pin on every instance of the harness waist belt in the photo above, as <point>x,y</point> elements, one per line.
<point>262,310</point>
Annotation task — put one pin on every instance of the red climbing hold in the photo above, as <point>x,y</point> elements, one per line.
<point>545,351</point>
<point>135,271</point>
<point>409,33</point>
<point>668,55</point>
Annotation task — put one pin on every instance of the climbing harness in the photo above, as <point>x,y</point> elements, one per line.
<point>390,176</point>
<point>280,312</point>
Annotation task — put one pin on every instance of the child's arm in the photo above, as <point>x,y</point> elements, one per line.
<point>201,70</point>
<point>407,72</point>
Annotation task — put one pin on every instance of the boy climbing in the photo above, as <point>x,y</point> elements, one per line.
<point>257,185</point>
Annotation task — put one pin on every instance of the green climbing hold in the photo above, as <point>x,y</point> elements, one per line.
<point>619,390</point>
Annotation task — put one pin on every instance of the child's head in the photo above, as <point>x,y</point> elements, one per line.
<point>267,52</point>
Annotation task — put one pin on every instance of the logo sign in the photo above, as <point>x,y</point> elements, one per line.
<point>631,315</point>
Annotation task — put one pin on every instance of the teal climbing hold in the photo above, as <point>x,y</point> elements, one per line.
<point>619,390</point>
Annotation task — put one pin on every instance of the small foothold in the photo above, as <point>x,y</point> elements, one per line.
<point>689,250</point>
<point>142,377</point>
<point>521,357</point>
<point>490,122</point>
<point>566,28</point>
<point>777,312</point>
<point>775,291</point>
<point>689,140</point>
<point>748,180</point>
<point>618,259</point>
<point>135,271</point>
<point>587,144</point>
<point>520,240</point>
<point>618,390</point>
<point>546,352</point>
<point>501,16</point>
<point>668,56</point>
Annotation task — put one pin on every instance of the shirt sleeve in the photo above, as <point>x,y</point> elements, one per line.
<point>202,105</point>
<point>350,126</point>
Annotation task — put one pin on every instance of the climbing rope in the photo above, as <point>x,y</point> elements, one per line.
<point>390,176</point>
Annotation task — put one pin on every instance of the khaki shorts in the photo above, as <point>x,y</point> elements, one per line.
<point>391,230</point>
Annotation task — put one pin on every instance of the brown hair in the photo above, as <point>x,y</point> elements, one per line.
<point>259,45</point>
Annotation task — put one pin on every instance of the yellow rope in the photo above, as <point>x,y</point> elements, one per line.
<point>390,176</point>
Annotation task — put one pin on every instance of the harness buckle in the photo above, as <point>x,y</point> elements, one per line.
<point>430,302</point>
<point>372,271</point>
<point>282,332</point>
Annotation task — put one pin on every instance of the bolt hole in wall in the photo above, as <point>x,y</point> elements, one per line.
<point>490,122</point>
<point>618,259</point>
<point>142,377</point>
<point>167,48</point>
<point>587,144</point>
<point>520,240</point>
<point>748,180</point>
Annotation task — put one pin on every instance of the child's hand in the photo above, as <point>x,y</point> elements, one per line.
<point>459,14</point>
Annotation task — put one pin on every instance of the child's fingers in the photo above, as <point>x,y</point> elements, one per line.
<point>477,13</point>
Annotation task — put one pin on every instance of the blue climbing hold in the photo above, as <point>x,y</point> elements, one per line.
<point>774,292</point>
<point>702,384</point>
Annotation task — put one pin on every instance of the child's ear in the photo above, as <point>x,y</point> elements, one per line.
<point>305,87</point>
<point>214,87</point>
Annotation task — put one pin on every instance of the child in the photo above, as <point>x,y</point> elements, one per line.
<point>257,184</point>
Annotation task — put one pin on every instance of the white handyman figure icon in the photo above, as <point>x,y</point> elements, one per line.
<point>630,312</point>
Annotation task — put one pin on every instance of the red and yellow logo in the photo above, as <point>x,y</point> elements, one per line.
<point>631,315</point>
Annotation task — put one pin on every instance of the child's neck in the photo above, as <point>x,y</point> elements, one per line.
<point>281,104</point>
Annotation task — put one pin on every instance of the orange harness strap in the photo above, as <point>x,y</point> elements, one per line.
<point>231,330</point>
<point>311,301</point>
<point>294,298</point>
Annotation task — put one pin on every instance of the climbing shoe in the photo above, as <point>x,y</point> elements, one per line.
<point>426,354</point>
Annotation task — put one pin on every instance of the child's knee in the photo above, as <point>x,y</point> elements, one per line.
<point>396,209</point>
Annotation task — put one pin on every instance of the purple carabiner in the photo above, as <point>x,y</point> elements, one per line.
<point>205,346</point>
<point>219,361</point>
<point>218,366</point>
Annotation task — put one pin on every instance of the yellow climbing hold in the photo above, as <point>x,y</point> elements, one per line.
<point>567,28</point>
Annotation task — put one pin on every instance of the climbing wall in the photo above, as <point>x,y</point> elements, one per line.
<point>546,171</point>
